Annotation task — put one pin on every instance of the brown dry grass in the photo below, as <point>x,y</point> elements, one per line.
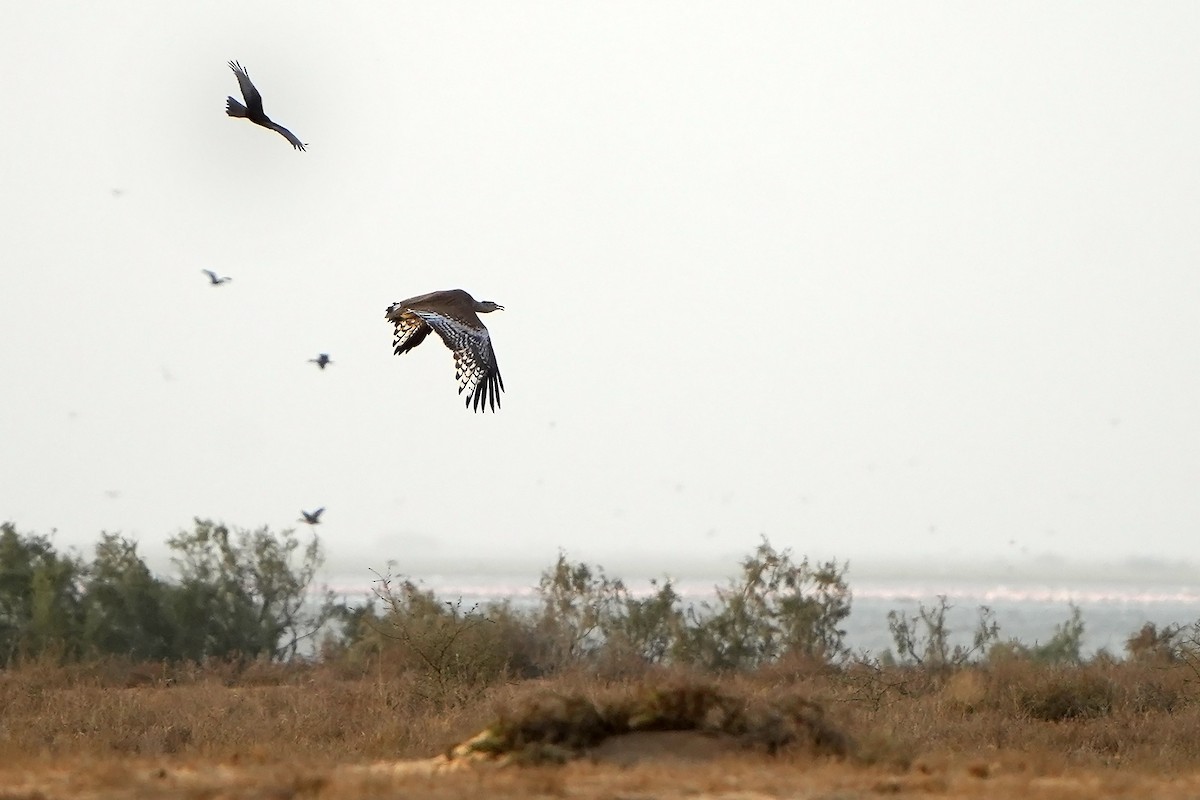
<point>1011,729</point>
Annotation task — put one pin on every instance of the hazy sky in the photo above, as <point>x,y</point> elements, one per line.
<point>876,280</point>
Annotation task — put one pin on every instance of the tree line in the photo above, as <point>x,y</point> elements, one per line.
<point>250,594</point>
<point>234,593</point>
<point>239,595</point>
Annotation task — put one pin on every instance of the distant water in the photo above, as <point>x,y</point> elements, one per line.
<point>1027,613</point>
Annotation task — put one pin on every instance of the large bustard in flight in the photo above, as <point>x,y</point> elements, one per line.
<point>253,109</point>
<point>453,315</point>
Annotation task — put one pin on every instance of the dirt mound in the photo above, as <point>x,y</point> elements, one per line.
<point>554,727</point>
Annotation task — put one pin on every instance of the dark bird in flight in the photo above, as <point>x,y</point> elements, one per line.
<point>454,315</point>
<point>214,279</point>
<point>312,517</point>
<point>253,109</point>
<point>321,361</point>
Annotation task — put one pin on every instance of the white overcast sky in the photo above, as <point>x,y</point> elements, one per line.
<point>877,280</point>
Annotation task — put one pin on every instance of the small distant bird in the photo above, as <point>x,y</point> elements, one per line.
<point>312,517</point>
<point>321,361</point>
<point>453,315</point>
<point>214,279</point>
<point>253,110</point>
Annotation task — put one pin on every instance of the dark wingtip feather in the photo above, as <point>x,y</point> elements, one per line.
<point>486,396</point>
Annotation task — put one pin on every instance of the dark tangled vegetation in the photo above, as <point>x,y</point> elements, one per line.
<point>554,726</point>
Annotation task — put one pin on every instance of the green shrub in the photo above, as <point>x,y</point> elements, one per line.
<point>776,607</point>
<point>1063,647</point>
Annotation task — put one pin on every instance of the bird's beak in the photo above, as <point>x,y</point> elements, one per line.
<point>499,307</point>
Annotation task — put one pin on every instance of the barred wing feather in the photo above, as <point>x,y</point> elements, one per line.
<point>474,360</point>
<point>411,330</point>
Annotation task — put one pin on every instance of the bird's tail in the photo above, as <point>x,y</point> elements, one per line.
<point>235,109</point>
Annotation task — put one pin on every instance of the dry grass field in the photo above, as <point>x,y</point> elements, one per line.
<point>1005,730</point>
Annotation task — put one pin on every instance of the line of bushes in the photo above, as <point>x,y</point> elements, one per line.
<point>250,595</point>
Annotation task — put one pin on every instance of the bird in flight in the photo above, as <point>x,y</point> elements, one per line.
<point>312,517</point>
<point>454,315</point>
<point>321,361</point>
<point>214,279</point>
<point>253,110</point>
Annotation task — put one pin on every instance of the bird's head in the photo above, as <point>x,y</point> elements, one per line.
<point>487,306</point>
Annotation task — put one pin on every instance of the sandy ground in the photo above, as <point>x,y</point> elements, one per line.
<point>648,765</point>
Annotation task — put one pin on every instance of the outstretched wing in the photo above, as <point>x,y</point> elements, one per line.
<point>291,137</point>
<point>474,360</point>
<point>249,93</point>
<point>411,330</point>
<point>212,276</point>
